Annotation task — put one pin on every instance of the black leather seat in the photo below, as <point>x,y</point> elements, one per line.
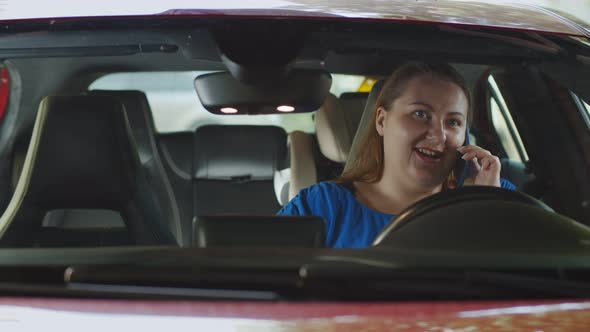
<point>177,153</point>
<point>144,132</point>
<point>234,167</point>
<point>82,156</point>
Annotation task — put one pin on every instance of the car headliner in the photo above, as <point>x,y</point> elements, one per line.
<point>470,13</point>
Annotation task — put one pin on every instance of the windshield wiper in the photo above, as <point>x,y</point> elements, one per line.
<point>192,282</point>
<point>469,283</point>
<point>176,292</point>
<point>324,281</point>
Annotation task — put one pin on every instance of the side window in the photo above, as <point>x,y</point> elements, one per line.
<point>587,109</point>
<point>584,107</point>
<point>504,125</point>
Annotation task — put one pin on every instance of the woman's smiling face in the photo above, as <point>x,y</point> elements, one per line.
<point>422,130</point>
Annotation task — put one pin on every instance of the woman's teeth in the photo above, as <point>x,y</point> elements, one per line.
<point>429,153</point>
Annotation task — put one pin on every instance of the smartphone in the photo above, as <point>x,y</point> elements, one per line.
<point>462,167</point>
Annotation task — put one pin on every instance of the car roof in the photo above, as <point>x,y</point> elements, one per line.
<point>468,13</point>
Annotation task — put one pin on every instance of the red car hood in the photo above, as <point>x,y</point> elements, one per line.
<point>76,315</point>
<point>440,11</point>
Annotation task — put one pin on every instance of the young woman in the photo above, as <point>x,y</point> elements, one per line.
<point>418,133</point>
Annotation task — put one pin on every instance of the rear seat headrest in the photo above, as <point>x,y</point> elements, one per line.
<point>364,124</point>
<point>239,153</point>
<point>83,143</point>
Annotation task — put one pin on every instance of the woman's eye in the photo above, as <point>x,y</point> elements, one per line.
<point>421,114</point>
<point>454,123</point>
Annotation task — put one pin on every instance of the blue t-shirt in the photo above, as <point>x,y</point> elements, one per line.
<point>349,223</point>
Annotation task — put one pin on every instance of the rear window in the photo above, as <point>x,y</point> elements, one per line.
<point>176,107</point>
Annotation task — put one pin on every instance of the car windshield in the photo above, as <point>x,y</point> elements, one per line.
<point>256,151</point>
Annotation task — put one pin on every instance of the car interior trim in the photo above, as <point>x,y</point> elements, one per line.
<point>179,172</point>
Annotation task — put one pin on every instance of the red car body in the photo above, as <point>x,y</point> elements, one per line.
<point>517,316</point>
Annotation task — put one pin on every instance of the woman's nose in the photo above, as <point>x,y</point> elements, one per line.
<point>436,132</point>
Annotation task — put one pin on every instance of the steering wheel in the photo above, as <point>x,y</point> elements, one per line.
<point>481,217</point>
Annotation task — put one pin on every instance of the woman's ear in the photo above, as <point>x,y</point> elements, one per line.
<point>380,120</point>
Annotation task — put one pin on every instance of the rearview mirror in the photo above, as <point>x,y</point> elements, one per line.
<point>302,90</point>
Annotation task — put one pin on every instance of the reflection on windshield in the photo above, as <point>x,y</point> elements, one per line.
<point>428,317</point>
<point>538,309</point>
<point>33,319</point>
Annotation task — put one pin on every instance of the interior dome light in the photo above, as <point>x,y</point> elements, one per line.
<point>285,108</point>
<point>229,110</point>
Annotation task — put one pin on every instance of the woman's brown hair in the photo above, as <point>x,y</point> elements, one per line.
<point>368,164</point>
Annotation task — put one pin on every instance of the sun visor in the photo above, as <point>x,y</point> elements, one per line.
<point>302,90</point>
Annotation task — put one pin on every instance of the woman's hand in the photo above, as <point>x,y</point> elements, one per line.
<point>485,166</point>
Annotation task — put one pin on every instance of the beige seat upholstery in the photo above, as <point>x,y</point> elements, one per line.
<point>303,167</point>
<point>334,138</point>
<point>336,124</point>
